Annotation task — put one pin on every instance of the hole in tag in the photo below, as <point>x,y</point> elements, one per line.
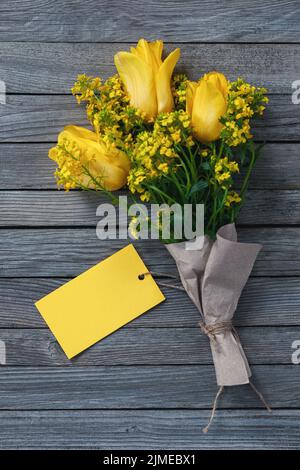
<point>141,277</point>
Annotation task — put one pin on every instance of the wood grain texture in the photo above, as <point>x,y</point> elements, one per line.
<point>277,168</point>
<point>185,387</point>
<point>151,384</point>
<point>53,68</point>
<point>264,302</point>
<point>149,429</point>
<point>147,346</point>
<point>32,165</point>
<point>67,251</point>
<point>47,208</point>
<point>39,118</point>
<point>114,20</point>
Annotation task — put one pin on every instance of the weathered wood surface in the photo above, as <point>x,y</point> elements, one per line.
<point>264,302</point>
<point>151,384</point>
<point>67,251</point>
<point>53,68</point>
<point>148,346</point>
<point>115,20</point>
<point>149,429</point>
<point>39,118</point>
<point>45,208</point>
<point>277,168</point>
<point>185,387</point>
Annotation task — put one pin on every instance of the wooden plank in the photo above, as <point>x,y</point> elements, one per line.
<point>149,429</point>
<point>278,167</point>
<point>47,208</point>
<point>140,387</point>
<point>52,68</point>
<point>67,252</point>
<point>39,118</point>
<point>147,346</point>
<point>30,162</point>
<point>264,301</point>
<point>126,21</point>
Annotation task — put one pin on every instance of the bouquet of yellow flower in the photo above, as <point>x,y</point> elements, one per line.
<point>173,141</point>
<point>168,139</point>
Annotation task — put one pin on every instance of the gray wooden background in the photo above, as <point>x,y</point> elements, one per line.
<point>151,384</point>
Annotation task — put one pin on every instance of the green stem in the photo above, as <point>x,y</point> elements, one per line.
<point>173,179</point>
<point>211,220</point>
<point>221,208</point>
<point>235,211</point>
<point>221,150</point>
<point>188,179</point>
<point>162,193</point>
<point>248,174</point>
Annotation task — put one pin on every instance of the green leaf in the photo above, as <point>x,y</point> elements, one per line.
<point>205,166</point>
<point>199,186</point>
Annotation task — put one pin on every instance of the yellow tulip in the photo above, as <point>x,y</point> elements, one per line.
<point>108,165</point>
<point>147,78</point>
<point>206,103</point>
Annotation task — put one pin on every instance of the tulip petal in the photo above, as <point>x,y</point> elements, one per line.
<point>190,95</point>
<point>142,50</point>
<point>209,106</point>
<point>218,80</point>
<point>80,132</point>
<point>109,166</point>
<point>149,52</point>
<point>163,83</point>
<point>138,79</point>
<point>110,176</point>
<point>156,49</point>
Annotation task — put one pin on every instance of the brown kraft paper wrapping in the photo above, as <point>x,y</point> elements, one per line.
<point>214,277</point>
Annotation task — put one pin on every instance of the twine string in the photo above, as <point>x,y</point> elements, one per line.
<point>206,428</point>
<point>217,328</point>
<point>162,284</point>
<point>214,408</point>
<point>260,396</point>
<point>211,331</point>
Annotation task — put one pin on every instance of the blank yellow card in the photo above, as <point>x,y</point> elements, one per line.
<point>99,301</point>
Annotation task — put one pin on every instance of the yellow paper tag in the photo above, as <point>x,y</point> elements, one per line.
<point>99,301</point>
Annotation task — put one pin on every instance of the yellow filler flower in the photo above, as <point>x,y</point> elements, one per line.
<point>147,78</point>
<point>85,161</point>
<point>206,103</point>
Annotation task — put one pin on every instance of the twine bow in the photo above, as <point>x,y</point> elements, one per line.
<point>216,328</point>
<point>211,331</point>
